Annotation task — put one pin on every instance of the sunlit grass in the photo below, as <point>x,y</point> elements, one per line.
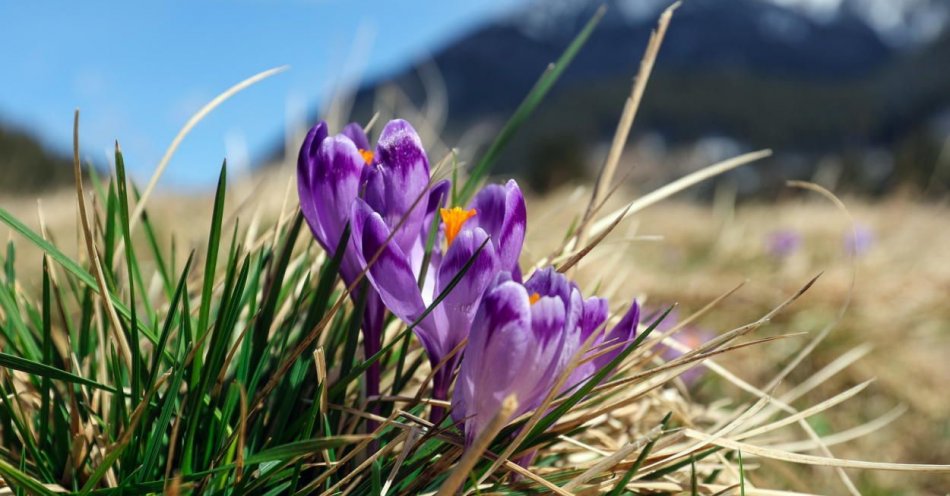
<point>153,363</point>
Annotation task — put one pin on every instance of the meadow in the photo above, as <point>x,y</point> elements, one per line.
<point>155,342</point>
<point>890,323</point>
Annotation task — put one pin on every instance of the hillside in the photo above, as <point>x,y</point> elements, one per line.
<point>28,166</point>
<point>752,72</point>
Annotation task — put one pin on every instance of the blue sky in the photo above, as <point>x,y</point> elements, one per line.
<point>138,71</point>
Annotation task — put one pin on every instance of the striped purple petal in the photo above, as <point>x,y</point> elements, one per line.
<point>399,177</point>
<point>501,212</point>
<point>500,343</point>
<point>623,333</point>
<point>356,134</point>
<point>389,268</point>
<point>462,301</point>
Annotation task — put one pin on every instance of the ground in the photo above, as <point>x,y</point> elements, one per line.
<point>896,310</point>
<point>893,294</point>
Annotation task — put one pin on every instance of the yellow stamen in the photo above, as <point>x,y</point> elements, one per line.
<point>454,218</point>
<point>534,298</point>
<point>367,156</point>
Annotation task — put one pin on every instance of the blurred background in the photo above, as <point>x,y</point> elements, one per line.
<point>851,94</point>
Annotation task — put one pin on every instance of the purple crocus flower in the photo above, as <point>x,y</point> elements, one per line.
<point>333,171</point>
<point>389,237</point>
<point>329,171</point>
<point>783,243</point>
<point>523,338</point>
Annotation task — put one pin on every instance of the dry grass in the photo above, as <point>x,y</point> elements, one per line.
<point>801,416</point>
<point>897,327</point>
<point>690,254</point>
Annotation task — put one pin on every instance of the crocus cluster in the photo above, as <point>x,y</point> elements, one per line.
<point>521,336</point>
<point>385,197</point>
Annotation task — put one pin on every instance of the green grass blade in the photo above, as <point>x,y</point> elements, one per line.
<point>20,425</point>
<point>154,442</point>
<point>21,337</point>
<point>154,247</point>
<point>9,265</point>
<point>123,200</point>
<point>205,375</point>
<point>328,277</point>
<point>351,330</point>
<point>676,466</point>
<point>301,448</point>
<point>111,458</point>
<point>108,236</point>
<point>46,383</point>
<point>70,265</point>
<point>693,483</point>
<point>272,292</point>
<point>180,292</point>
<point>377,478</point>
<point>211,259</point>
<point>18,479</point>
<point>39,369</point>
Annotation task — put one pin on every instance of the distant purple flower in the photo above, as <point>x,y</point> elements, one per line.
<point>523,338</point>
<point>691,336</point>
<point>859,240</point>
<point>782,243</point>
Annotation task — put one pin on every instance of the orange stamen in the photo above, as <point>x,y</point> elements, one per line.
<point>454,218</point>
<point>367,156</point>
<point>534,298</point>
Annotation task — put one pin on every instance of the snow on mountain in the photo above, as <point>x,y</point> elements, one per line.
<point>900,23</point>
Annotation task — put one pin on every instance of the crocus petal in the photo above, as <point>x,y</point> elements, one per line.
<point>334,181</point>
<point>356,134</point>
<point>572,331</point>
<point>624,332</point>
<point>402,178</point>
<point>549,282</point>
<point>392,277</point>
<point>501,212</point>
<point>535,380</point>
<point>459,305</point>
<point>305,166</point>
<point>593,316</point>
<point>575,312</point>
<point>500,341</point>
<point>437,197</point>
<point>389,272</point>
<point>547,319</point>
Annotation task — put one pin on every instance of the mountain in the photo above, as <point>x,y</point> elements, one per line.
<point>28,166</point>
<point>762,73</point>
